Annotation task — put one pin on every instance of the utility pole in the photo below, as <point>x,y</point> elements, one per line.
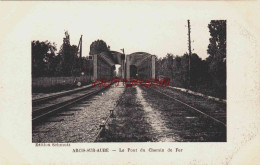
<point>123,50</point>
<point>80,46</point>
<point>80,52</point>
<point>81,61</point>
<point>189,52</point>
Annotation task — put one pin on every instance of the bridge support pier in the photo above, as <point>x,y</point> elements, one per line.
<point>123,69</point>
<point>128,67</point>
<point>95,71</point>
<point>153,66</point>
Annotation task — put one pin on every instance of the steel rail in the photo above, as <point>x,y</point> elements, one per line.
<point>43,112</point>
<point>42,99</point>
<point>216,120</point>
<point>101,128</point>
<point>105,123</point>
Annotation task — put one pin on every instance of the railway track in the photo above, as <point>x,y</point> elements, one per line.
<point>43,99</point>
<point>102,126</point>
<point>190,119</point>
<point>171,118</point>
<point>47,106</point>
<point>83,121</point>
<point>218,118</point>
<point>155,115</point>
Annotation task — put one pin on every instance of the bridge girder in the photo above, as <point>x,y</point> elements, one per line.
<point>144,62</point>
<point>138,59</point>
<point>111,58</point>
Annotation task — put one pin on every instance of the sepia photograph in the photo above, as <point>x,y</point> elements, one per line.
<point>148,88</point>
<point>129,82</point>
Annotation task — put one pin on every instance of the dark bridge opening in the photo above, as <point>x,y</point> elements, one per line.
<point>118,71</point>
<point>133,71</point>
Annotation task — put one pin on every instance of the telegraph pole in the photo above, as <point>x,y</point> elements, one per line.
<point>123,50</point>
<point>80,52</point>
<point>80,46</point>
<point>81,62</point>
<point>189,51</point>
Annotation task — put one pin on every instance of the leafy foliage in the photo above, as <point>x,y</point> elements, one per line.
<point>217,54</point>
<point>206,76</point>
<point>98,46</point>
<point>217,46</point>
<point>45,62</point>
<point>42,57</point>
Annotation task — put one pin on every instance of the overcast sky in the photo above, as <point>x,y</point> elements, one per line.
<point>136,27</point>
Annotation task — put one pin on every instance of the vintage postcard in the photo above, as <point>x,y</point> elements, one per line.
<point>129,82</point>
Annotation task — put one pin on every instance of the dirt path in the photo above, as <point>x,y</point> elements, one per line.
<point>136,121</point>
<point>143,115</point>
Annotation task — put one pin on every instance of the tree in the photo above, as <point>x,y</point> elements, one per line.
<point>217,55</point>
<point>198,75</point>
<point>87,66</point>
<point>65,63</point>
<point>43,55</point>
<point>217,46</point>
<point>177,69</point>
<point>75,63</point>
<point>98,46</point>
<point>70,64</point>
<point>184,72</point>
